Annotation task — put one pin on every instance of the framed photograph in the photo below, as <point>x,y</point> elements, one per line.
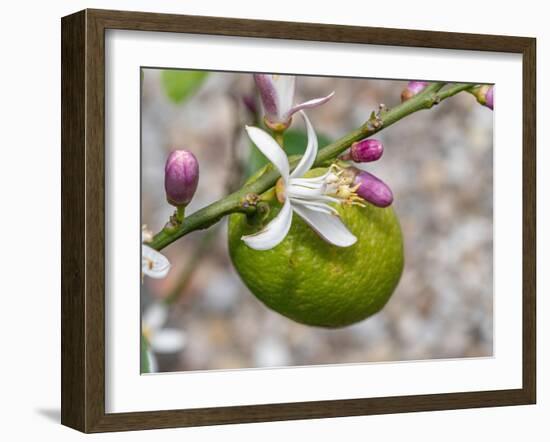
<point>267,221</point>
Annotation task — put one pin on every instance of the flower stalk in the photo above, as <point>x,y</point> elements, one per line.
<point>180,214</point>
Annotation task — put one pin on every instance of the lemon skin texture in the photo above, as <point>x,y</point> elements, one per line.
<point>313,282</point>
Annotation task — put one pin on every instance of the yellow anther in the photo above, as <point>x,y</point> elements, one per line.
<point>341,186</point>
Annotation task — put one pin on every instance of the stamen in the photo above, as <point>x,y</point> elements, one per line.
<point>308,185</point>
<point>340,185</point>
<point>313,197</point>
<point>300,191</point>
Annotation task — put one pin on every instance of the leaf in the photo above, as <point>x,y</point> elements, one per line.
<point>144,356</point>
<point>180,85</point>
<point>295,142</point>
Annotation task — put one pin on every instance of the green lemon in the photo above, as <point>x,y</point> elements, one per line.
<point>313,282</point>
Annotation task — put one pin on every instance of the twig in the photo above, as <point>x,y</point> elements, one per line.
<point>239,201</point>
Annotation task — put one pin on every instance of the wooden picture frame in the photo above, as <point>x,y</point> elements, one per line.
<point>83,220</point>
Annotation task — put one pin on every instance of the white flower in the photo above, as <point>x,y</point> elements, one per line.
<point>161,340</point>
<point>153,263</point>
<point>277,94</point>
<point>307,197</point>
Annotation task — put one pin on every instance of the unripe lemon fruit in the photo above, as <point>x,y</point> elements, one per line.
<point>313,282</point>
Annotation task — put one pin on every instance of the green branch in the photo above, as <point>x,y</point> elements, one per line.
<point>243,200</point>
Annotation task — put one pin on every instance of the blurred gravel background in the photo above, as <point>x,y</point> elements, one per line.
<point>439,166</point>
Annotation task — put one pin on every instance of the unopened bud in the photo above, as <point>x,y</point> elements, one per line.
<point>485,95</point>
<point>181,176</point>
<point>365,151</point>
<point>371,189</point>
<point>490,97</point>
<point>412,89</point>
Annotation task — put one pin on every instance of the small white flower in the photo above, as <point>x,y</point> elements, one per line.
<point>308,197</point>
<point>161,340</point>
<point>277,94</point>
<point>153,263</point>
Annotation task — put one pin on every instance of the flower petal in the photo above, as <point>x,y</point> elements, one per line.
<point>154,316</point>
<point>168,340</point>
<point>269,147</point>
<point>329,227</point>
<point>272,234</point>
<point>317,206</point>
<point>313,181</point>
<point>310,154</point>
<point>268,94</point>
<point>308,104</point>
<point>308,193</point>
<point>153,264</point>
<point>285,85</point>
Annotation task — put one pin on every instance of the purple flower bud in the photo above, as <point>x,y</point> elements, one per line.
<point>181,176</point>
<point>489,97</point>
<point>413,88</point>
<point>277,97</point>
<point>365,151</point>
<point>274,97</point>
<point>484,95</point>
<point>372,189</point>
